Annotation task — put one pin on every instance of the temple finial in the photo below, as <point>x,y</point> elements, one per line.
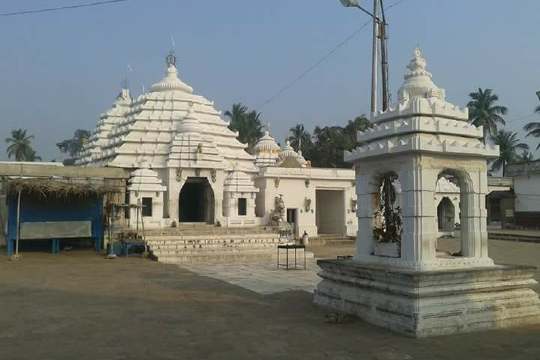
<point>171,59</point>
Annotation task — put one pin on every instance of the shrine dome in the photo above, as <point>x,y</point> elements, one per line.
<point>171,82</point>
<point>266,151</point>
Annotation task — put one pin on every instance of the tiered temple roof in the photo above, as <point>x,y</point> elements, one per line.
<point>150,132</point>
<point>92,151</point>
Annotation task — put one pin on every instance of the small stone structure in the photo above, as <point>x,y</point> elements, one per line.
<point>412,289</point>
<point>239,200</point>
<point>146,192</point>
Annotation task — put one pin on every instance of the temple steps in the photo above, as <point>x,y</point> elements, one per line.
<point>524,236</point>
<point>332,240</point>
<point>216,246</point>
<point>207,229</point>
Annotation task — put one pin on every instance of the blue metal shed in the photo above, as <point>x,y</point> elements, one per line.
<point>54,219</point>
<point>49,203</point>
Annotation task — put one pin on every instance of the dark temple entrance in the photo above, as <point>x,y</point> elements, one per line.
<point>196,201</point>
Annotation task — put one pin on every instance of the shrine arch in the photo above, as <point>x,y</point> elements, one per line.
<point>196,201</point>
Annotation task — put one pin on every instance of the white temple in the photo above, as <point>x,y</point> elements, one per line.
<point>187,166</point>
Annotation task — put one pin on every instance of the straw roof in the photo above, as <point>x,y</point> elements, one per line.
<point>60,188</point>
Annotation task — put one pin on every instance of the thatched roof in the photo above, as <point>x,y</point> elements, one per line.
<point>61,188</point>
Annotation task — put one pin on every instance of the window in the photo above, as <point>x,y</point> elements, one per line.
<point>146,206</point>
<point>242,207</point>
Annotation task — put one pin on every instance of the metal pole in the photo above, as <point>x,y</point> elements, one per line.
<point>374,59</point>
<point>384,60</point>
<point>18,230</point>
<point>137,221</point>
<point>144,237</point>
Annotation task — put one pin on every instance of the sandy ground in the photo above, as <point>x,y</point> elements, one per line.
<point>80,306</point>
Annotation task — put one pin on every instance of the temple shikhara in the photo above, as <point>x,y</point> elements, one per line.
<point>187,166</point>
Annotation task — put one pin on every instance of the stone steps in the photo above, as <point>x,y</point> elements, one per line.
<point>178,249</point>
<point>210,230</point>
<point>332,240</point>
<point>514,237</point>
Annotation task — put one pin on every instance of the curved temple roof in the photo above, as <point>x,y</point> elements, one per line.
<point>144,130</point>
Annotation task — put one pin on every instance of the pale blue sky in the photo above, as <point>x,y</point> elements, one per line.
<point>59,71</point>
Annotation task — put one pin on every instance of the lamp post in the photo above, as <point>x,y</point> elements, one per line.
<point>379,33</point>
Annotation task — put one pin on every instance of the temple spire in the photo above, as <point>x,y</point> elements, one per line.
<point>170,60</point>
<point>418,81</point>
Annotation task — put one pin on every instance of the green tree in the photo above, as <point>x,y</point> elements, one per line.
<point>20,146</point>
<point>533,128</point>
<point>300,139</point>
<point>484,111</point>
<point>247,123</point>
<point>74,145</point>
<point>328,148</point>
<point>509,144</point>
<point>359,123</point>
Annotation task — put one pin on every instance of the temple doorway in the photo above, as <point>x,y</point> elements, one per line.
<point>330,211</point>
<point>196,203</point>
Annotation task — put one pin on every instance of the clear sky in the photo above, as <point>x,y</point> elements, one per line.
<point>59,71</point>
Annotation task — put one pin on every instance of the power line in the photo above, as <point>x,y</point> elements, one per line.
<point>314,66</point>
<point>323,59</point>
<point>59,8</point>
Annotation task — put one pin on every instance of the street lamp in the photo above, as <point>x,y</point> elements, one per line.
<point>379,32</point>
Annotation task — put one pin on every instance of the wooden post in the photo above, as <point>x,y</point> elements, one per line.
<point>144,237</point>
<point>18,229</point>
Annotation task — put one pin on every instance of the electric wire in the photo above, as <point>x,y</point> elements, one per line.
<point>60,8</point>
<point>321,60</point>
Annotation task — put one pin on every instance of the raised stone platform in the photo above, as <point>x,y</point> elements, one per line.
<point>432,303</point>
<point>202,243</point>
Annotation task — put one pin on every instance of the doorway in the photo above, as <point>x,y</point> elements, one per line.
<point>330,211</point>
<point>196,202</point>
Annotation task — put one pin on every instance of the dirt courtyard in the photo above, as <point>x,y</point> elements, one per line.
<point>78,305</point>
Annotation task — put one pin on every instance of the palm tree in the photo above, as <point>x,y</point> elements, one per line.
<point>300,138</point>
<point>20,146</point>
<point>247,123</point>
<point>509,144</point>
<point>74,145</point>
<point>533,128</point>
<point>525,156</point>
<point>484,111</point>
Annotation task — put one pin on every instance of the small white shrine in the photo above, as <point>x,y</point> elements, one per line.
<point>397,278</point>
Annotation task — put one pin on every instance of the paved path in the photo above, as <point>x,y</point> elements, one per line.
<point>262,278</point>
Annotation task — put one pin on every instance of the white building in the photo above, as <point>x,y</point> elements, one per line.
<point>188,166</point>
<point>526,185</point>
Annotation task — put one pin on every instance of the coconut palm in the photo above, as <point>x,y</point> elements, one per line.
<point>533,128</point>
<point>20,146</point>
<point>74,145</point>
<point>247,123</point>
<point>509,144</point>
<point>300,139</point>
<point>484,111</point>
<point>525,156</point>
